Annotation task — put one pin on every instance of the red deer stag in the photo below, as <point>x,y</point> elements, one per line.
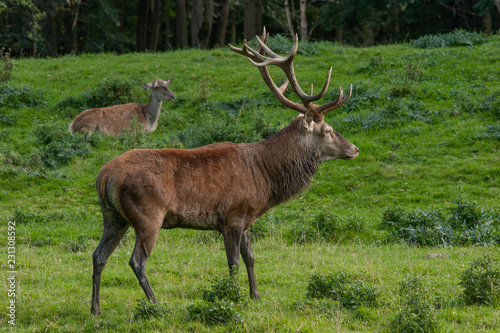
<point>113,119</point>
<point>222,186</point>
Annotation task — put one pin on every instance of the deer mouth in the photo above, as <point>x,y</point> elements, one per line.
<point>352,156</point>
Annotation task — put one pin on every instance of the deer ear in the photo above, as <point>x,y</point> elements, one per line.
<point>146,85</point>
<point>308,122</point>
<point>168,81</point>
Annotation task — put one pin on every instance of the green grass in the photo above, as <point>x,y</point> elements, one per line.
<point>426,123</point>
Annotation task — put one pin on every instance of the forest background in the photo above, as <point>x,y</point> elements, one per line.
<point>51,28</point>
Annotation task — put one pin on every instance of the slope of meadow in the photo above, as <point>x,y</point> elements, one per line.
<point>426,122</point>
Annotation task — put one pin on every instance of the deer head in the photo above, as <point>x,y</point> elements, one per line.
<point>160,90</point>
<point>313,127</point>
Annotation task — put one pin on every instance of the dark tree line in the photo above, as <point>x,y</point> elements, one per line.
<point>57,27</point>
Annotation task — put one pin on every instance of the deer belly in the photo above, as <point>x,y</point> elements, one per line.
<point>190,221</point>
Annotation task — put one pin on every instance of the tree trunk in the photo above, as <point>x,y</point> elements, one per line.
<point>209,19</point>
<point>220,32</point>
<point>153,24</point>
<point>289,19</point>
<point>181,38</point>
<point>303,21</point>
<point>142,26</point>
<point>497,3</point>
<point>196,22</point>
<point>258,15</point>
<point>249,30</point>
<point>487,23</point>
<point>339,33</point>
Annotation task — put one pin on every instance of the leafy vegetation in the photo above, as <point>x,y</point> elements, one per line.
<point>458,37</point>
<point>220,303</point>
<point>421,200</point>
<point>350,290</point>
<point>417,308</point>
<point>464,225</point>
<point>6,65</point>
<point>481,282</point>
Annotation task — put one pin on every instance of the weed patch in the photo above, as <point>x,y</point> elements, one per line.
<point>351,290</point>
<point>6,65</point>
<point>464,224</point>
<point>146,309</point>
<point>221,302</point>
<point>481,282</point>
<point>417,311</point>
<point>107,93</point>
<point>326,227</point>
<point>458,37</point>
<point>59,146</point>
<point>21,97</point>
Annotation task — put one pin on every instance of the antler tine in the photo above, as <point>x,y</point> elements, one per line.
<point>256,57</point>
<point>259,59</point>
<point>324,109</point>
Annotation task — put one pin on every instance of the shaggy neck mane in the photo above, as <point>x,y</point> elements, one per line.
<point>289,162</point>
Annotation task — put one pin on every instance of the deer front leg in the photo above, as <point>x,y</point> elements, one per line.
<point>249,259</point>
<point>232,239</point>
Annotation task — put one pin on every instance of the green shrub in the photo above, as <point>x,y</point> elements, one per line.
<point>146,309</point>
<point>58,146</point>
<point>492,132</point>
<point>326,227</point>
<point>21,97</point>
<point>223,122</point>
<point>224,288</point>
<point>458,37</point>
<point>349,289</point>
<point>6,65</point>
<point>220,312</point>
<point>108,92</point>
<point>465,225</point>
<point>481,282</point>
<point>398,112</point>
<point>221,302</point>
<point>417,308</point>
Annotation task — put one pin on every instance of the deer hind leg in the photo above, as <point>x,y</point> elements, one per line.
<point>249,259</point>
<point>144,244</point>
<point>115,227</point>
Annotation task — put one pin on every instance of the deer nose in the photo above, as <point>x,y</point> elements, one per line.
<point>356,149</point>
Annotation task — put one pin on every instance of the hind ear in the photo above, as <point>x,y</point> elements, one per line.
<point>146,85</point>
<point>168,81</point>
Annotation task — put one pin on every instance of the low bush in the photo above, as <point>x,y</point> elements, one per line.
<point>146,309</point>
<point>417,308</point>
<point>21,97</point>
<point>398,112</point>
<point>349,289</point>
<point>458,37</point>
<point>324,226</point>
<point>107,93</point>
<point>463,225</point>
<point>6,65</point>
<point>481,282</point>
<point>220,304</point>
<point>223,122</point>
<point>59,147</point>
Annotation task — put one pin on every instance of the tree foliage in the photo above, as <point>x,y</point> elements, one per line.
<point>51,28</point>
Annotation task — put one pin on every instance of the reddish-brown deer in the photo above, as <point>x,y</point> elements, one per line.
<point>222,186</point>
<point>113,120</point>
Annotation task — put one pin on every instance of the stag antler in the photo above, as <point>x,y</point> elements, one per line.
<point>257,58</point>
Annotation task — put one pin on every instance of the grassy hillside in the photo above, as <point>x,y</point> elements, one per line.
<point>426,122</point>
